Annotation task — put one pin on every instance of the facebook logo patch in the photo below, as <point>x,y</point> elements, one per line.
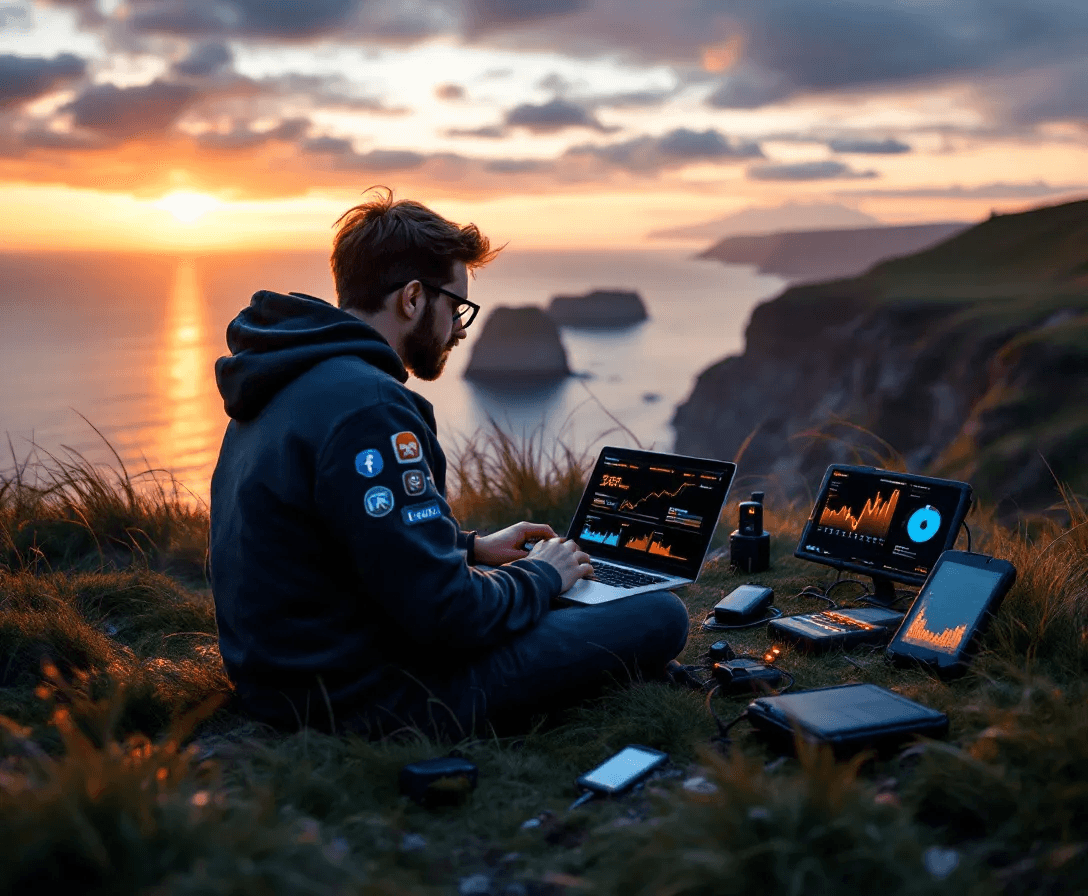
<point>368,463</point>
<point>419,513</point>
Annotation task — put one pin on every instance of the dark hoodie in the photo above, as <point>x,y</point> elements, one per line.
<point>335,558</point>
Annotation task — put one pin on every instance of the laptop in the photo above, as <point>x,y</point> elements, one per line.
<point>646,520</point>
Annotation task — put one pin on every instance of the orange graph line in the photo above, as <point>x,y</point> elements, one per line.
<point>662,494</point>
<point>874,520</point>
<point>639,544</point>
<point>947,641</point>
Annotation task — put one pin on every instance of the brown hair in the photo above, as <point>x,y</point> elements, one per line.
<point>382,243</point>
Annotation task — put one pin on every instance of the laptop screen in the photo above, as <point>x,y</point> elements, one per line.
<point>652,510</point>
<point>883,523</point>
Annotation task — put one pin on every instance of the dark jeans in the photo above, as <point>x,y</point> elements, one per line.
<point>570,655</point>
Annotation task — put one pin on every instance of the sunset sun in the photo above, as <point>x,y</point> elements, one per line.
<point>186,206</point>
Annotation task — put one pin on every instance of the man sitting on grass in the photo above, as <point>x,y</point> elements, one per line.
<point>346,594</point>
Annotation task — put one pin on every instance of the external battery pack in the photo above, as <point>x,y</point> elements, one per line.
<point>743,604</point>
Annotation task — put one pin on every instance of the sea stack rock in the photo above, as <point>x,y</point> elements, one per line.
<point>518,344</point>
<point>599,308</point>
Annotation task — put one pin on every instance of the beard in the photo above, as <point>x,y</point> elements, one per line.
<point>425,355</point>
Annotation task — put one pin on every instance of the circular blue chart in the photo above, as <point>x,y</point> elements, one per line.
<point>923,524</point>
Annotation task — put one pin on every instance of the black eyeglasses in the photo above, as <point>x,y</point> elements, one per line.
<point>461,306</point>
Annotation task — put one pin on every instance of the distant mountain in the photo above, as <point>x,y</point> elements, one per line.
<point>967,360</point>
<point>826,254</point>
<point>770,219</point>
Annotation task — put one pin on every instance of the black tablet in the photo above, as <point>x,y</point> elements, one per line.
<point>847,718</point>
<point>952,612</point>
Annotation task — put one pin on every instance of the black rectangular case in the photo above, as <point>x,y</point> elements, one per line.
<point>847,718</point>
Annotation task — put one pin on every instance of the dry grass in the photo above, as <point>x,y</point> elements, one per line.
<point>123,770</point>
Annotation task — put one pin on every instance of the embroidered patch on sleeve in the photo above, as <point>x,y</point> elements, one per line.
<point>369,463</point>
<point>415,482</point>
<point>378,501</point>
<point>420,513</point>
<point>406,447</point>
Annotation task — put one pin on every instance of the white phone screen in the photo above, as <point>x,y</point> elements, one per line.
<point>627,765</point>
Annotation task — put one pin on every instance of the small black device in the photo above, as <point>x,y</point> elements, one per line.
<point>622,771</point>
<point>952,612</point>
<point>742,674</point>
<point>440,781</point>
<point>720,650</point>
<point>891,526</point>
<point>749,545</point>
<point>828,629</point>
<point>847,717</point>
<point>743,604</point>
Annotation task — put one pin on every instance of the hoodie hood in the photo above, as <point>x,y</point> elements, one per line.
<point>279,337</point>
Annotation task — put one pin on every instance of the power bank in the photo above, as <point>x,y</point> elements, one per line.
<point>742,604</point>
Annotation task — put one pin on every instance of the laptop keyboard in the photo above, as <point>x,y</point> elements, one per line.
<point>620,577</point>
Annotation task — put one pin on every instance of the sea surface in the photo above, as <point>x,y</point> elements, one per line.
<point>111,352</point>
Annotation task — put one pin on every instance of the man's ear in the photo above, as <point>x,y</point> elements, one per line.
<point>410,300</point>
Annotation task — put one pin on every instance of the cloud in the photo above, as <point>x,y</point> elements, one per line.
<point>485,16</point>
<point>827,170</point>
<point>208,58</point>
<point>449,92</point>
<point>676,148</point>
<point>869,147</point>
<point>243,137</point>
<point>487,132</point>
<point>554,115</point>
<point>748,88</point>
<point>121,112</point>
<point>283,19</point>
<point>24,78</point>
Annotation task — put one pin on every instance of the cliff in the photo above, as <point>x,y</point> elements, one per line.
<point>599,308</point>
<point>968,360</point>
<point>518,343</point>
<point>823,254</point>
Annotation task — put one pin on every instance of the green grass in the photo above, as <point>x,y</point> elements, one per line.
<point>125,769</point>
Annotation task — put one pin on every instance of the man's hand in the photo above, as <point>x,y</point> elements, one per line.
<point>508,544</point>
<point>569,560</point>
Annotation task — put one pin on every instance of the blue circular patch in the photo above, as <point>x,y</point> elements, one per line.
<point>378,501</point>
<point>369,463</point>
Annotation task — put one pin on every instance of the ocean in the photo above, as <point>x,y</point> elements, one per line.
<point>107,352</point>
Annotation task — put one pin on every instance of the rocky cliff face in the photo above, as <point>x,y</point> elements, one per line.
<point>518,343</point>
<point>929,364</point>
<point>599,308</point>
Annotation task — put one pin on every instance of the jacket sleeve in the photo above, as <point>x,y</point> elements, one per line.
<point>374,492</point>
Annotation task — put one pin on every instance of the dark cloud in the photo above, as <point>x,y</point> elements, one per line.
<point>516,166</point>
<point>283,19</point>
<point>748,88</point>
<point>487,132</point>
<point>121,112</point>
<point>828,170</point>
<point>208,58</point>
<point>336,146</point>
<point>869,147</point>
<point>24,78</point>
<point>449,92</point>
<point>243,137</point>
<point>483,16</point>
<point>679,147</point>
<point>552,116</point>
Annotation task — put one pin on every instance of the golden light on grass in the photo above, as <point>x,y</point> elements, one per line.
<point>187,206</point>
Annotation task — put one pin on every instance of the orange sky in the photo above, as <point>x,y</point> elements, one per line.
<point>570,124</point>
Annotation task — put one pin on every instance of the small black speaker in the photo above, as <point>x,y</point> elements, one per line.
<point>749,545</point>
